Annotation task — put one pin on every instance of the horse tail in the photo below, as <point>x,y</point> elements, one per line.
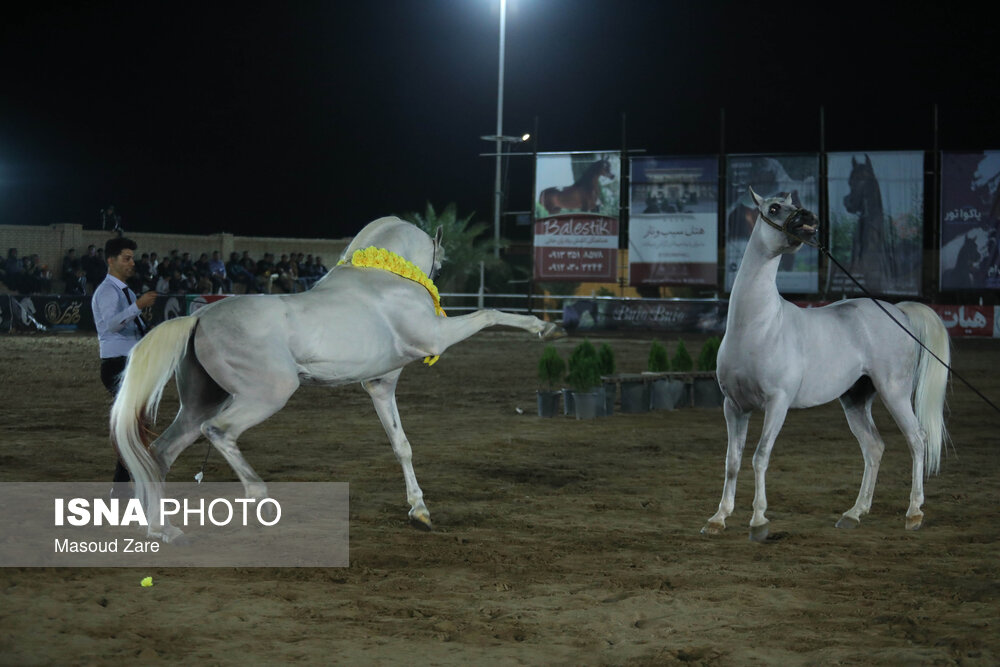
<point>930,380</point>
<point>151,364</point>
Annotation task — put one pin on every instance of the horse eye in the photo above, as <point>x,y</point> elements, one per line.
<point>774,209</point>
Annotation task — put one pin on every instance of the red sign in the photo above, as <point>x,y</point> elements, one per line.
<point>967,320</point>
<point>578,247</point>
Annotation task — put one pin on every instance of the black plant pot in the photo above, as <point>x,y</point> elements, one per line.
<point>668,394</point>
<point>635,396</point>
<point>588,404</point>
<point>548,403</point>
<point>706,393</point>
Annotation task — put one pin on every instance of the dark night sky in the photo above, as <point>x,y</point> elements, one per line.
<point>312,118</point>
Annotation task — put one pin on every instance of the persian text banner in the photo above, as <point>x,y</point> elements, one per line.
<point>673,221</point>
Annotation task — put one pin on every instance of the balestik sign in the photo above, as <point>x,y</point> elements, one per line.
<point>576,246</point>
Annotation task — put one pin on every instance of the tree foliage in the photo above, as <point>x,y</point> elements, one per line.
<point>465,245</point>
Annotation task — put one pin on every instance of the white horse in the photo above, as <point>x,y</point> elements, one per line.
<point>238,361</point>
<point>777,356</point>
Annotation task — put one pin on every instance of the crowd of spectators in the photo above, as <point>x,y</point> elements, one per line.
<point>174,273</point>
<point>25,274</point>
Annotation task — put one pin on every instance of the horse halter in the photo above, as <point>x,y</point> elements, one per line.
<point>784,228</point>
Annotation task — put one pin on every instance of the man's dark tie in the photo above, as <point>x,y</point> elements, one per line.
<point>138,320</point>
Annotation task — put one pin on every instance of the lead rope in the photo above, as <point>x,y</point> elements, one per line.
<point>819,246</point>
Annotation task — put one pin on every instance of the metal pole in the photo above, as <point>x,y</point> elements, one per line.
<point>497,193</point>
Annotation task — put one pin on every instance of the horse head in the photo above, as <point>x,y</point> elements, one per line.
<point>603,169</point>
<point>862,184</point>
<point>403,238</point>
<point>796,225</point>
<point>968,255</point>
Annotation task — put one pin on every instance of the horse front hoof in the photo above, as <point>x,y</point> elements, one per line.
<point>914,522</point>
<point>421,518</point>
<point>552,331</point>
<point>170,534</point>
<point>422,523</point>
<point>758,533</point>
<point>713,528</point>
<point>847,522</point>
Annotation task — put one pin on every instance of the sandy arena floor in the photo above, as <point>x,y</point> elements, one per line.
<point>557,541</point>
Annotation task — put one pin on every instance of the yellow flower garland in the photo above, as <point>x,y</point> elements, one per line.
<point>380,258</point>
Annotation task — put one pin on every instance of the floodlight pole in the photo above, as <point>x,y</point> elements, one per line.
<point>496,190</point>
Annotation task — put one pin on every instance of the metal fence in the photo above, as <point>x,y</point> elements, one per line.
<point>536,304</point>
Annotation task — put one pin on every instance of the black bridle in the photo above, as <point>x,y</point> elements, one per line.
<point>784,228</point>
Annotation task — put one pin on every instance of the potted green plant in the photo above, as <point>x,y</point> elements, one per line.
<point>551,369</point>
<point>635,389</point>
<point>705,391</point>
<point>606,366</point>
<point>665,393</point>
<point>682,361</point>
<point>585,379</point>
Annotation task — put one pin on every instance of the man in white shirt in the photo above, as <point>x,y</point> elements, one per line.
<point>118,316</point>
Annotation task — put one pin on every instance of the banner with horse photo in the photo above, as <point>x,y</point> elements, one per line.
<point>673,221</point>
<point>970,221</point>
<point>768,175</point>
<point>576,216</point>
<point>875,209</point>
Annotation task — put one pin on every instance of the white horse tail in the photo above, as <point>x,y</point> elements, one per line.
<point>151,364</point>
<point>931,379</point>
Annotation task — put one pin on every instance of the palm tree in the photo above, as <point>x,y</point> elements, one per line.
<point>464,247</point>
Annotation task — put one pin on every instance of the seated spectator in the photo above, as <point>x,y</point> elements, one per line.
<point>265,267</point>
<point>217,273</point>
<point>70,264</point>
<point>186,264</point>
<point>37,277</point>
<point>203,285</point>
<point>142,274</point>
<point>13,271</point>
<point>181,283</point>
<point>77,283</point>
<point>201,266</point>
<point>238,274</point>
<point>94,267</point>
<point>321,270</point>
<point>287,276</point>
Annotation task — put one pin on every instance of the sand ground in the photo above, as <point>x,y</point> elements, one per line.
<point>557,541</point>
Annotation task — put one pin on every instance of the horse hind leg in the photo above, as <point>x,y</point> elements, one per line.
<point>200,399</point>
<point>383,394</point>
<point>235,418</point>
<point>857,404</point>
<point>898,404</point>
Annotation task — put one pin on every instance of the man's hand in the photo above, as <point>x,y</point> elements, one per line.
<point>146,300</point>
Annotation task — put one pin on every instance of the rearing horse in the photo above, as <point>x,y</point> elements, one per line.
<point>584,195</point>
<point>239,360</point>
<point>776,356</point>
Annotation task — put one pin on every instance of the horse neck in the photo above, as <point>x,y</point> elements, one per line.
<point>755,290</point>
<point>872,200</point>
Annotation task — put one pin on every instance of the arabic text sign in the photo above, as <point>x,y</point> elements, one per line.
<point>576,247</point>
<point>970,227</point>
<point>967,320</point>
<point>673,226</point>
<point>673,249</point>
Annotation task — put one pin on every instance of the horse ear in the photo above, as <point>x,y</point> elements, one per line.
<point>868,160</point>
<point>787,201</point>
<point>438,235</point>
<point>854,163</point>
<point>756,200</point>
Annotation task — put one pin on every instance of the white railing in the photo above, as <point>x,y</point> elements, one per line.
<point>512,303</point>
